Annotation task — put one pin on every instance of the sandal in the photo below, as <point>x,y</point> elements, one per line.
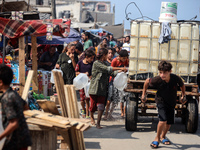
<point>154,144</point>
<point>164,141</point>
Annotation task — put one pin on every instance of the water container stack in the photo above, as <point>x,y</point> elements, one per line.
<point>182,50</point>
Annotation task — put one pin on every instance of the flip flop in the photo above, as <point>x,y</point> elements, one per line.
<point>156,143</point>
<point>165,140</point>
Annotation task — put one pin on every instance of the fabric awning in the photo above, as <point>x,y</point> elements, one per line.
<point>17,28</point>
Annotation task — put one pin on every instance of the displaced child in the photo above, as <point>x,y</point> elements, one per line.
<point>166,84</point>
<point>120,61</point>
<point>110,87</point>
<point>99,84</point>
<point>85,66</point>
<point>12,105</point>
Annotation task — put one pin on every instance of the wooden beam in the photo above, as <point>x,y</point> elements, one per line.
<point>27,84</point>
<point>59,83</point>
<point>21,65</point>
<point>34,63</point>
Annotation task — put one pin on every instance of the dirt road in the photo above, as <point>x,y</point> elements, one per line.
<point>115,137</point>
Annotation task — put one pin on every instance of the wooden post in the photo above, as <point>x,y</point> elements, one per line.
<point>27,85</point>
<point>34,63</point>
<point>21,65</point>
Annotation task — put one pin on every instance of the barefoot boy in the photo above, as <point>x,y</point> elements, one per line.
<point>12,106</point>
<point>166,84</point>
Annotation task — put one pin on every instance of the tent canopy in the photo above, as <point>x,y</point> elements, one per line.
<point>17,28</point>
<point>73,36</point>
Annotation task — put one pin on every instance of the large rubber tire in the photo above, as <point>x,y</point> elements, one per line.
<point>191,125</point>
<point>131,113</point>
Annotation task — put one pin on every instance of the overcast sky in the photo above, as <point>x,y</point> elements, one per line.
<point>186,10</point>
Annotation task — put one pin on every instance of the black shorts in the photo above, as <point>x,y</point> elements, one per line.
<point>165,113</point>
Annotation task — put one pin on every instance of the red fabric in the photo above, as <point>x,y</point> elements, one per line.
<point>17,28</point>
<point>82,95</point>
<point>95,100</point>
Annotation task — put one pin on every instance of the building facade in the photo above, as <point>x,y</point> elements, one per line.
<point>84,11</point>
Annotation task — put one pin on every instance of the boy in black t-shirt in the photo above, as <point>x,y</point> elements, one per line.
<point>166,84</point>
<point>12,105</point>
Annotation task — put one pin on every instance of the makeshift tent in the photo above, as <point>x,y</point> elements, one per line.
<point>33,28</point>
<point>17,28</point>
<point>73,36</point>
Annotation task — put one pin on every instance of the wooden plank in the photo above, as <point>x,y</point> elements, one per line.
<point>38,127</point>
<point>76,110</point>
<point>48,106</point>
<point>79,126</point>
<point>27,84</point>
<point>74,101</point>
<point>72,112</point>
<point>68,142</point>
<point>59,83</point>
<point>153,92</point>
<point>21,65</point>
<point>87,126</point>
<point>38,122</point>
<point>68,102</point>
<point>34,63</point>
<point>45,117</point>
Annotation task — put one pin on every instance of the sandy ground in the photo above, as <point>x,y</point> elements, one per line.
<point>114,136</point>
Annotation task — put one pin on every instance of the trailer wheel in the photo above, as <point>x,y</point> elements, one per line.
<point>131,113</point>
<point>192,116</point>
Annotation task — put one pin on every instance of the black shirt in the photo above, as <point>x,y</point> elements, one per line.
<point>167,92</point>
<point>47,58</point>
<point>67,68</point>
<point>12,108</point>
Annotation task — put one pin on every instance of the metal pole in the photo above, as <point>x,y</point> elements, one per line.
<point>53,9</point>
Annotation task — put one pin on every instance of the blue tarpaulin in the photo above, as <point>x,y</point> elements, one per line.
<point>96,31</point>
<point>73,36</point>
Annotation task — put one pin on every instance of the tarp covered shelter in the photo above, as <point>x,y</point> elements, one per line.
<point>73,36</point>
<point>33,28</point>
<point>17,28</point>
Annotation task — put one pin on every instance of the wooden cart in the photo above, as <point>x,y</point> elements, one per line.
<point>188,112</point>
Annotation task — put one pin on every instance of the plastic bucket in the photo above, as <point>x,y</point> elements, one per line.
<point>168,12</point>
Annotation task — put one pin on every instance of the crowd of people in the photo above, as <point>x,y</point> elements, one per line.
<point>101,64</point>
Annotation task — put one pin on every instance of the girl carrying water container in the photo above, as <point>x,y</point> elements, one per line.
<point>99,84</point>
